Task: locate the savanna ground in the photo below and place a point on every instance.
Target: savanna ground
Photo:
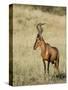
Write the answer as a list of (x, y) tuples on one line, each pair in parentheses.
[(27, 63)]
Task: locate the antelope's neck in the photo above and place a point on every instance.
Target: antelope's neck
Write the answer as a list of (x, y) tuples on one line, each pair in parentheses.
[(43, 46)]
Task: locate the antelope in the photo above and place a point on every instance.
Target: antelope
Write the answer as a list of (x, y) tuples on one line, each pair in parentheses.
[(48, 52)]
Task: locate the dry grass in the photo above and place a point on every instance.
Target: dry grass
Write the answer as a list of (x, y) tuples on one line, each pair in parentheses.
[(27, 63)]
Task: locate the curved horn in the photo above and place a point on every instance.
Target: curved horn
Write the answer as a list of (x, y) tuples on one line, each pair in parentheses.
[(39, 28)]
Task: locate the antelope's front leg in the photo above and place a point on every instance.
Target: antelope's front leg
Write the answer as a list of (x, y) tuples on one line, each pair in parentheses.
[(48, 68), (44, 66)]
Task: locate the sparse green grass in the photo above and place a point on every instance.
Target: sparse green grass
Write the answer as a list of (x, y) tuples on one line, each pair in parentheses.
[(27, 63)]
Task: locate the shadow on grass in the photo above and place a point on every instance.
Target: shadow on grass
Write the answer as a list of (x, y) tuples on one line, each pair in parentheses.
[(61, 76)]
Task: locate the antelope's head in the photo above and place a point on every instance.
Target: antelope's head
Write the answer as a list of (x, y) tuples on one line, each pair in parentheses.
[(39, 36)]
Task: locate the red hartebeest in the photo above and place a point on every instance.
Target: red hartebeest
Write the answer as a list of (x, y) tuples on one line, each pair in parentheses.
[(48, 53)]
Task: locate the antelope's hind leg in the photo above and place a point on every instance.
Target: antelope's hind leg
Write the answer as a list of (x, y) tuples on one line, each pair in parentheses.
[(56, 69)]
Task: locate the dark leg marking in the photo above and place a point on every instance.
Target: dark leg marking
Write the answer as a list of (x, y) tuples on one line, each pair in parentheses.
[(44, 66), (48, 67)]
